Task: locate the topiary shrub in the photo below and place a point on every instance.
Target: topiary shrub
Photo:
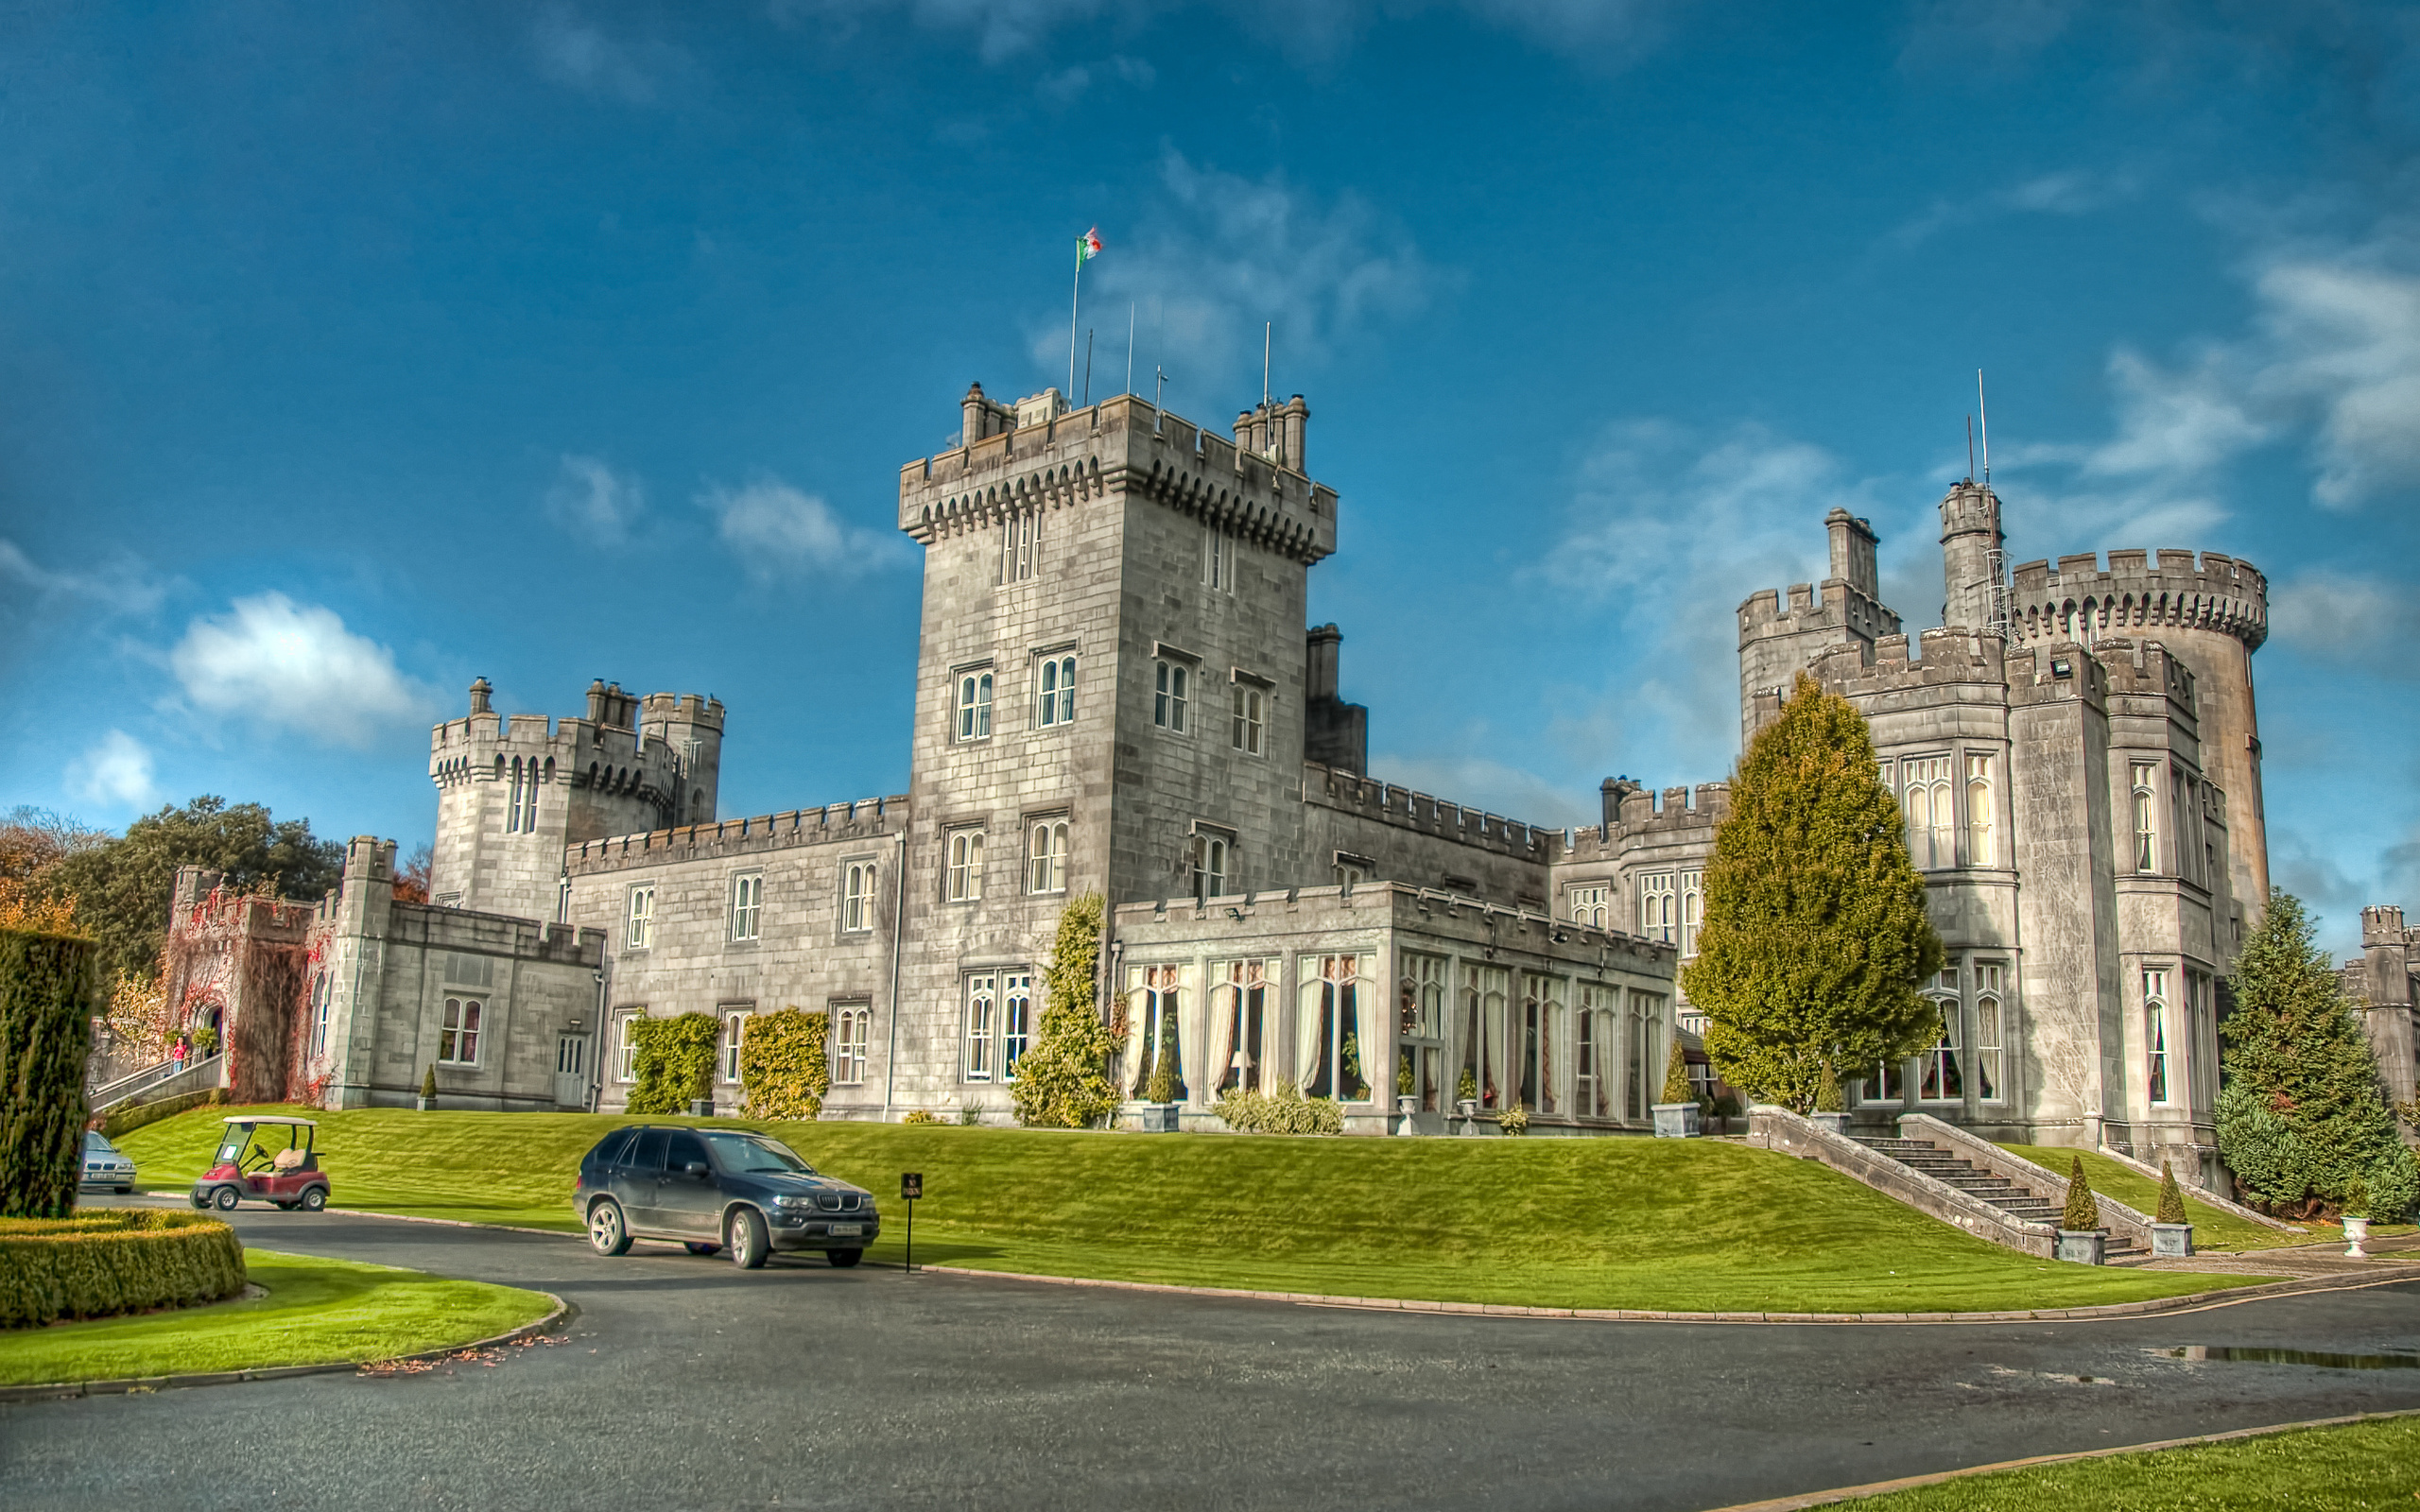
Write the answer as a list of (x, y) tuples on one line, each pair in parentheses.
[(50, 988), (674, 1059), (1283, 1111), (1062, 1077), (1827, 1094), (2171, 1196), (1514, 1119), (1676, 1077), (2356, 1199), (117, 1260), (784, 1070), (428, 1082), (1164, 1084), (2083, 1210), (1467, 1090)]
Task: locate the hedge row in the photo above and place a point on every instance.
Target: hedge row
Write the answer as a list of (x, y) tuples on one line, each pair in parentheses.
[(120, 1261), (123, 1120)]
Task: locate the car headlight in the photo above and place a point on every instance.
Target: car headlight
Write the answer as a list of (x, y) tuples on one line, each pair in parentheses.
[(788, 1201)]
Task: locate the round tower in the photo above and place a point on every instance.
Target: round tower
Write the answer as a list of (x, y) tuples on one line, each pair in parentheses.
[(1974, 595), (2212, 617)]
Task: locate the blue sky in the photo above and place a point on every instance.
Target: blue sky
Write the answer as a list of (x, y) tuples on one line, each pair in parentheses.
[(349, 352)]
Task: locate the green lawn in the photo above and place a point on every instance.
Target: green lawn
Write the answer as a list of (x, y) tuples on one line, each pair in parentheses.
[(317, 1311), (1633, 1223), (2213, 1228), (2358, 1465)]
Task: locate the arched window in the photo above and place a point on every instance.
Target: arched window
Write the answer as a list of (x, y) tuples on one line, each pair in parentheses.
[(1153, 995), (856, 897), (2146, 816), (1017, 1020), (1209, 867), (2157, 1083), (1692, 910), (1657, 908), (1980, 848), (1990, 986), (964, 881), (1242, 995), (1055, 700), (1170, 683), (458, 1036), (1047, 856), (1925, 789), (974, 706), (849, 1056), (1938, 1074), (982, 1006), (1333, 1041)]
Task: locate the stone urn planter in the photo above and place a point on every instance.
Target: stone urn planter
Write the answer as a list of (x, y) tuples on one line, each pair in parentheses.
[(425, 1103), (1837, 1122), (2085, 1247), (2356, 1230), (1160, 1118), (1677, 1121), (1467, 1110), (2171, 1240), (1406, 1107)]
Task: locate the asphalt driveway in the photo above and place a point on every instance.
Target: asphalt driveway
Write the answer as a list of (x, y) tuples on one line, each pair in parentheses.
[(686, 1383)]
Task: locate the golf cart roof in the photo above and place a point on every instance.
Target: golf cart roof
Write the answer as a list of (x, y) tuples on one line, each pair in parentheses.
[(243, 1118)]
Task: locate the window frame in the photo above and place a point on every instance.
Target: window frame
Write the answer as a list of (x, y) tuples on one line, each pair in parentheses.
[(1940, 1065), (1989, 1056), (624, 1049), (1250, 719), (2159, 1026), (462, 1024), (1658, 907), (971, 697), (638, 933), (1212, 864), (1171, 692), (2142, 787), (1589, 903), (962, 864), (1054, 683), (849, 1049), (1931, 777), (734, 1019), (1983, 811), (747, 923), (1020, 548), (858, 880), (1045, 855), (978, 1024)]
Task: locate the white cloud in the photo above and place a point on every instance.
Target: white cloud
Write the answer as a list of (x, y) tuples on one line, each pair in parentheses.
[(296, 667), (2174, 424), (124, 586), (583, 56), (1478, 783), (2350, 618), (115, 771), (778, 531), (2343, 337), (592, 500), (2068, 192), (1222, 253), (1670, 530)]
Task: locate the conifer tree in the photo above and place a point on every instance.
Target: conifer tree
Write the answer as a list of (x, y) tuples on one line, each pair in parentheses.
[(2302, 1116), (1061, 1079), (2171, 1196), (1815, 938), (2083, 1210)]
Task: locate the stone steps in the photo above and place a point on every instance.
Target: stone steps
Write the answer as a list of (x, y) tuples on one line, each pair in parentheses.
[(2008, 1196)]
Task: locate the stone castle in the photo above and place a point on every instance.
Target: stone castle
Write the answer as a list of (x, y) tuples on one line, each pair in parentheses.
[(1116, 691)]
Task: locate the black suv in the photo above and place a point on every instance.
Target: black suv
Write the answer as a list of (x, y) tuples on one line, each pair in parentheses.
[(717, 1189)]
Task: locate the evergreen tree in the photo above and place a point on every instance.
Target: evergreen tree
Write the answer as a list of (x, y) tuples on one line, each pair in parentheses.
[(2171, 1196), (1061, 1079), (1815, 938), (2302, 1116), (2082, 1211)]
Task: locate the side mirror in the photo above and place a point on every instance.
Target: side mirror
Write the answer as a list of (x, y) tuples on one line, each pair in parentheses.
[(694, 1168)]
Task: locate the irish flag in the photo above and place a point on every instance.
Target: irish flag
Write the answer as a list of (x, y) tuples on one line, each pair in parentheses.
[(1088, 246)]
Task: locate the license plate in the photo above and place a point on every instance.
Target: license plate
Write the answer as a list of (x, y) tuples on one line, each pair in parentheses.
[(842, 1230)]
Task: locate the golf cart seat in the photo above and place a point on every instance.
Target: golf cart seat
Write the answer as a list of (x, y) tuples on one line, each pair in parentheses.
[(288, 1162)]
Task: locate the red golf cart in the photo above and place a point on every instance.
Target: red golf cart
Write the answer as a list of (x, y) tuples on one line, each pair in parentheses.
[(267, 1159)]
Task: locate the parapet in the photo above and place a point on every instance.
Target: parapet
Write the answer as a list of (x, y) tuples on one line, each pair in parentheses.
[(1945, 655), (2081, 601), (1833, 606), (2382, 924), (865, 818), (2141, 666), (682, 708), (1351, 793), (1123, 444)]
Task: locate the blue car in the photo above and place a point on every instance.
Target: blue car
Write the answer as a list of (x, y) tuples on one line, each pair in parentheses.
[(717, 1189)]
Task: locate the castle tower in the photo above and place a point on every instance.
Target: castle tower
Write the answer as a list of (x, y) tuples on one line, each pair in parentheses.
[(1782, 635), (513, 791), (1973, 564), (2212, 618)]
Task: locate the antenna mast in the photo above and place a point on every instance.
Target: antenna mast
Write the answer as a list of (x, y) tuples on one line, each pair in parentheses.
[(1266, 331), (1996, 618), (1983, 410)]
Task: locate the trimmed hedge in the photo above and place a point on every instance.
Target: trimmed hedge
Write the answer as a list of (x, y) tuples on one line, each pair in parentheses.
[(782, 1069), (120, 1261), (50, 989), (127, 1119), (1283, 1111)]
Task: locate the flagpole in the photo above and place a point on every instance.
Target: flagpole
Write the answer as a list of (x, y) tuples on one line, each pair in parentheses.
[(1129, 346), (1074, 300)]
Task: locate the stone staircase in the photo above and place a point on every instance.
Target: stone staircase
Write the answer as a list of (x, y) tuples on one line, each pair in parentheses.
[(2016, 1201)]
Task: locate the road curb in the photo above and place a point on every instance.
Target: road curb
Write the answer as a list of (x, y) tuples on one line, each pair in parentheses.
[(2190, 1302), (1909, 1483), (564, 1313)]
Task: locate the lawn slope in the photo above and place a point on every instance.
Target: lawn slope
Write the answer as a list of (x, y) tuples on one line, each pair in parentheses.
[(1692, 1224), (315, 1312)]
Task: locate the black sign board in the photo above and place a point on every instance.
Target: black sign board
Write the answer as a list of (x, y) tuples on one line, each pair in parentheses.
[(911, 1185)]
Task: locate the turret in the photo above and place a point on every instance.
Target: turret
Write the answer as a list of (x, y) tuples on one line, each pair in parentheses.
[(691, 727), (1973, 581)]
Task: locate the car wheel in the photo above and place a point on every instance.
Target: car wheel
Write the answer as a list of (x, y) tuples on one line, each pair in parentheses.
[(608, 1235), (225, 1198), (697, 1248), (745, 1234), (199, 1200), (122, 1190), (843, 1259), (315, 1199)]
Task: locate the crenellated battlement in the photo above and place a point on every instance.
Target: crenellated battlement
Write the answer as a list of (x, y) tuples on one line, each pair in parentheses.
[(1123, 444), (866, 819), (1944, 654), (2382, 924), (2144, 667), (1350, 793), (2081, 600), (1834, 605)]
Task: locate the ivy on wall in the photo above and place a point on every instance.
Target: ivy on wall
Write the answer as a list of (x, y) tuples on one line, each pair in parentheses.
[(674, 1059), (782, 1068), (1061, 1081)]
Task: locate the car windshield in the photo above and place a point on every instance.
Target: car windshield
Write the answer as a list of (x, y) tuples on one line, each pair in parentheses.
[(749, 1152), (95, 1145)]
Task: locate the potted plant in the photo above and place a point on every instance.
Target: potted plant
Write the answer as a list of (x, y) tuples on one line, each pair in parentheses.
[(2357, 1219), (1407, 1094), (206, 1042), (1162, 1089), (2171, 1236), (2081, 1237), (1514, 1119), (1831, 1109), (1466, 1096), (427, 1088), (1677, 1117)]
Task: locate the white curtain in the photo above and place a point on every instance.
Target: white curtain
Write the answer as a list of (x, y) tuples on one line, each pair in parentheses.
[(1307, 1049), (1220, 1001), (1137, 1012), (1191, 1063), (1494, 1067)]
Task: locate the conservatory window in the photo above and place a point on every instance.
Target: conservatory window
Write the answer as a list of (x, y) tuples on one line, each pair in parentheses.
[(1154, 994), (1333, 1040), (1421, 1028), (1241, 996)]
